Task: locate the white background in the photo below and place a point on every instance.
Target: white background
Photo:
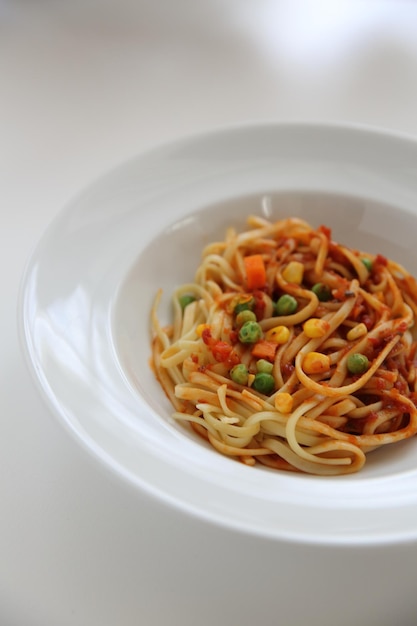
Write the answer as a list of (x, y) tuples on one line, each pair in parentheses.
[(85, 85)]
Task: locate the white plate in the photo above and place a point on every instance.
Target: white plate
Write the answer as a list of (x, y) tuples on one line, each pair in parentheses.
[(88, 288)]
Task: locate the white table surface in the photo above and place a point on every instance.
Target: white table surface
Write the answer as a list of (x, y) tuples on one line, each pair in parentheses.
[(85, 85)]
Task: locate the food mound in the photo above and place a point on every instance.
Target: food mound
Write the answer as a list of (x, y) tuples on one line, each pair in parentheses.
[(292, 350)]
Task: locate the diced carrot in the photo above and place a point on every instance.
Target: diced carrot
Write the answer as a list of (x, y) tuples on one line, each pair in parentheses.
[(255, 271), (264, 349)]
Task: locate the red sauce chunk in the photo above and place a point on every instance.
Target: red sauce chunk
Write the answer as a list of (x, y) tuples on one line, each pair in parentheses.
[(221, 350)]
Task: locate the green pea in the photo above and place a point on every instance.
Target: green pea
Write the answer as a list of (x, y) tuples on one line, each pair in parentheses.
[(263, 382), (250, 332), (264, 366), (286, 305), (186, 300), (367, 263), (239, 374), (245, 316), (322, 291), (357, 363)]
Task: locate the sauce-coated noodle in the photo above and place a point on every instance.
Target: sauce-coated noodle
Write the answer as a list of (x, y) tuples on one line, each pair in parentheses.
[(292, 350)]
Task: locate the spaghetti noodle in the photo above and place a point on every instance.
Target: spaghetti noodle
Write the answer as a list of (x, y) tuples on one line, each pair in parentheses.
[(292, 350)]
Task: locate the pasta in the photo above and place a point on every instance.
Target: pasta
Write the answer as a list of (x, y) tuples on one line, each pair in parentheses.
[(292, 350)]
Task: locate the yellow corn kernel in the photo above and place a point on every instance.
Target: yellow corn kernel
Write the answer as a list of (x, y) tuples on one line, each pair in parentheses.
[(284, 402), (316, 363), (356, 332), (315, 327), (251, 378), (201, 328), (294, 272), (278, 334), (315, 244)]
